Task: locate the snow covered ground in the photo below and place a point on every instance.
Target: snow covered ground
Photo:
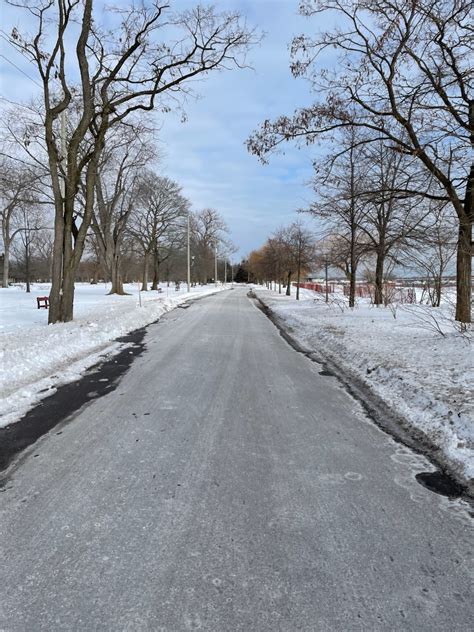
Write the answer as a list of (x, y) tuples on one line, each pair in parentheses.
[(36, 358), (424, 376)]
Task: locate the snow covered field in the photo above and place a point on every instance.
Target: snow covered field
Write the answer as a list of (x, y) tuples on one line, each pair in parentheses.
[(424, 376), (36, 358)]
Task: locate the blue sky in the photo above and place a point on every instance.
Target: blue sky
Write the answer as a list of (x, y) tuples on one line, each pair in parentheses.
[(207, 154)]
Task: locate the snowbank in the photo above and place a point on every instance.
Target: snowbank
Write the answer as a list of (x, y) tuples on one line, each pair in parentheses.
[(421, 375), (36, 358)]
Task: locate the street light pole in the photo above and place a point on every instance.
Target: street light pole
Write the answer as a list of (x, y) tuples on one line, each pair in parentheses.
[(215, 264), (189, 255), (225, 271)]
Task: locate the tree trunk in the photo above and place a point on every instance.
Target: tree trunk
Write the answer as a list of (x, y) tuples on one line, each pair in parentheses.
[(437, 289), (62, 287), (59, 244), (6, 263), (288, 284), (279, 285), (67, 252), (145, 274), (298, 277), (156, 272), (66, 296), (353, 268), (463, 272), (116, 277), (379, 266), (27, 265), (352, 287)]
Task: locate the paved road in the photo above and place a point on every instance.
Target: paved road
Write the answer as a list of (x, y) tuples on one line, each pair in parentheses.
[(226, 486)]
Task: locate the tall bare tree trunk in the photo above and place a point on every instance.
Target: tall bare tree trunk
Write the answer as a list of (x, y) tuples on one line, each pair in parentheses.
[(145, 273), (69, 242), (288, 284), (352, 287), (463, 272), (465, 244), (379, 266), (27, 264), (116, 276), (67, 296), (156, 271), (352, 272), (55, 311), (353, 227), (6, 262), (298, 278)]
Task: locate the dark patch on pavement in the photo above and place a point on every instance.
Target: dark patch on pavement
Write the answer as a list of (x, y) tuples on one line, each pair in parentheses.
[(441, 483), (326, 373), (97, 381)]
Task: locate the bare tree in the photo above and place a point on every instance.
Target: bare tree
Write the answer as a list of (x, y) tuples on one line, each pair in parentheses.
[(275, 253), (338, 184), (43, 245), (30, 223), (257, 266), (208, 230), (289, 251), (157, 221), (281, 240), (132, 66), (300, 245), (127, 153), (17, 193), (433, 253), (390, 217), (405, 73)]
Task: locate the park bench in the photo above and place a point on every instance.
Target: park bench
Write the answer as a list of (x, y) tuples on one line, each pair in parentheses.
[(42, 301)]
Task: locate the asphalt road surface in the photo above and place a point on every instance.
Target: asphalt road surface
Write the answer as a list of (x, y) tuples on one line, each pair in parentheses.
[(225, 485)]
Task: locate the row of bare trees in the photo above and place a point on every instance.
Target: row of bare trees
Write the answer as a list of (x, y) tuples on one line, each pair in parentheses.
[(97, 85), (287, 255), (364, 215), (402, 88), (140, 219)]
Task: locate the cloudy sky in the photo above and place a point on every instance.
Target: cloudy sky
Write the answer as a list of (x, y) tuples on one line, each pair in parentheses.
[(207, 154)]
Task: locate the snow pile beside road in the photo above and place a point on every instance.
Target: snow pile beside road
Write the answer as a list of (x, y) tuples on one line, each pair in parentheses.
[(36, 358), (425, 377)]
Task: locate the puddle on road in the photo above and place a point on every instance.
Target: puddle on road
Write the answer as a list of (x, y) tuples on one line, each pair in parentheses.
[(440, 483)]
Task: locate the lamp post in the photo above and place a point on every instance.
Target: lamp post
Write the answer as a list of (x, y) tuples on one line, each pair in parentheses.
[(189, 254), (215, 264)]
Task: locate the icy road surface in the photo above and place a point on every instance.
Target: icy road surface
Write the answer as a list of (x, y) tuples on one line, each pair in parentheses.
[(225, 485)]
